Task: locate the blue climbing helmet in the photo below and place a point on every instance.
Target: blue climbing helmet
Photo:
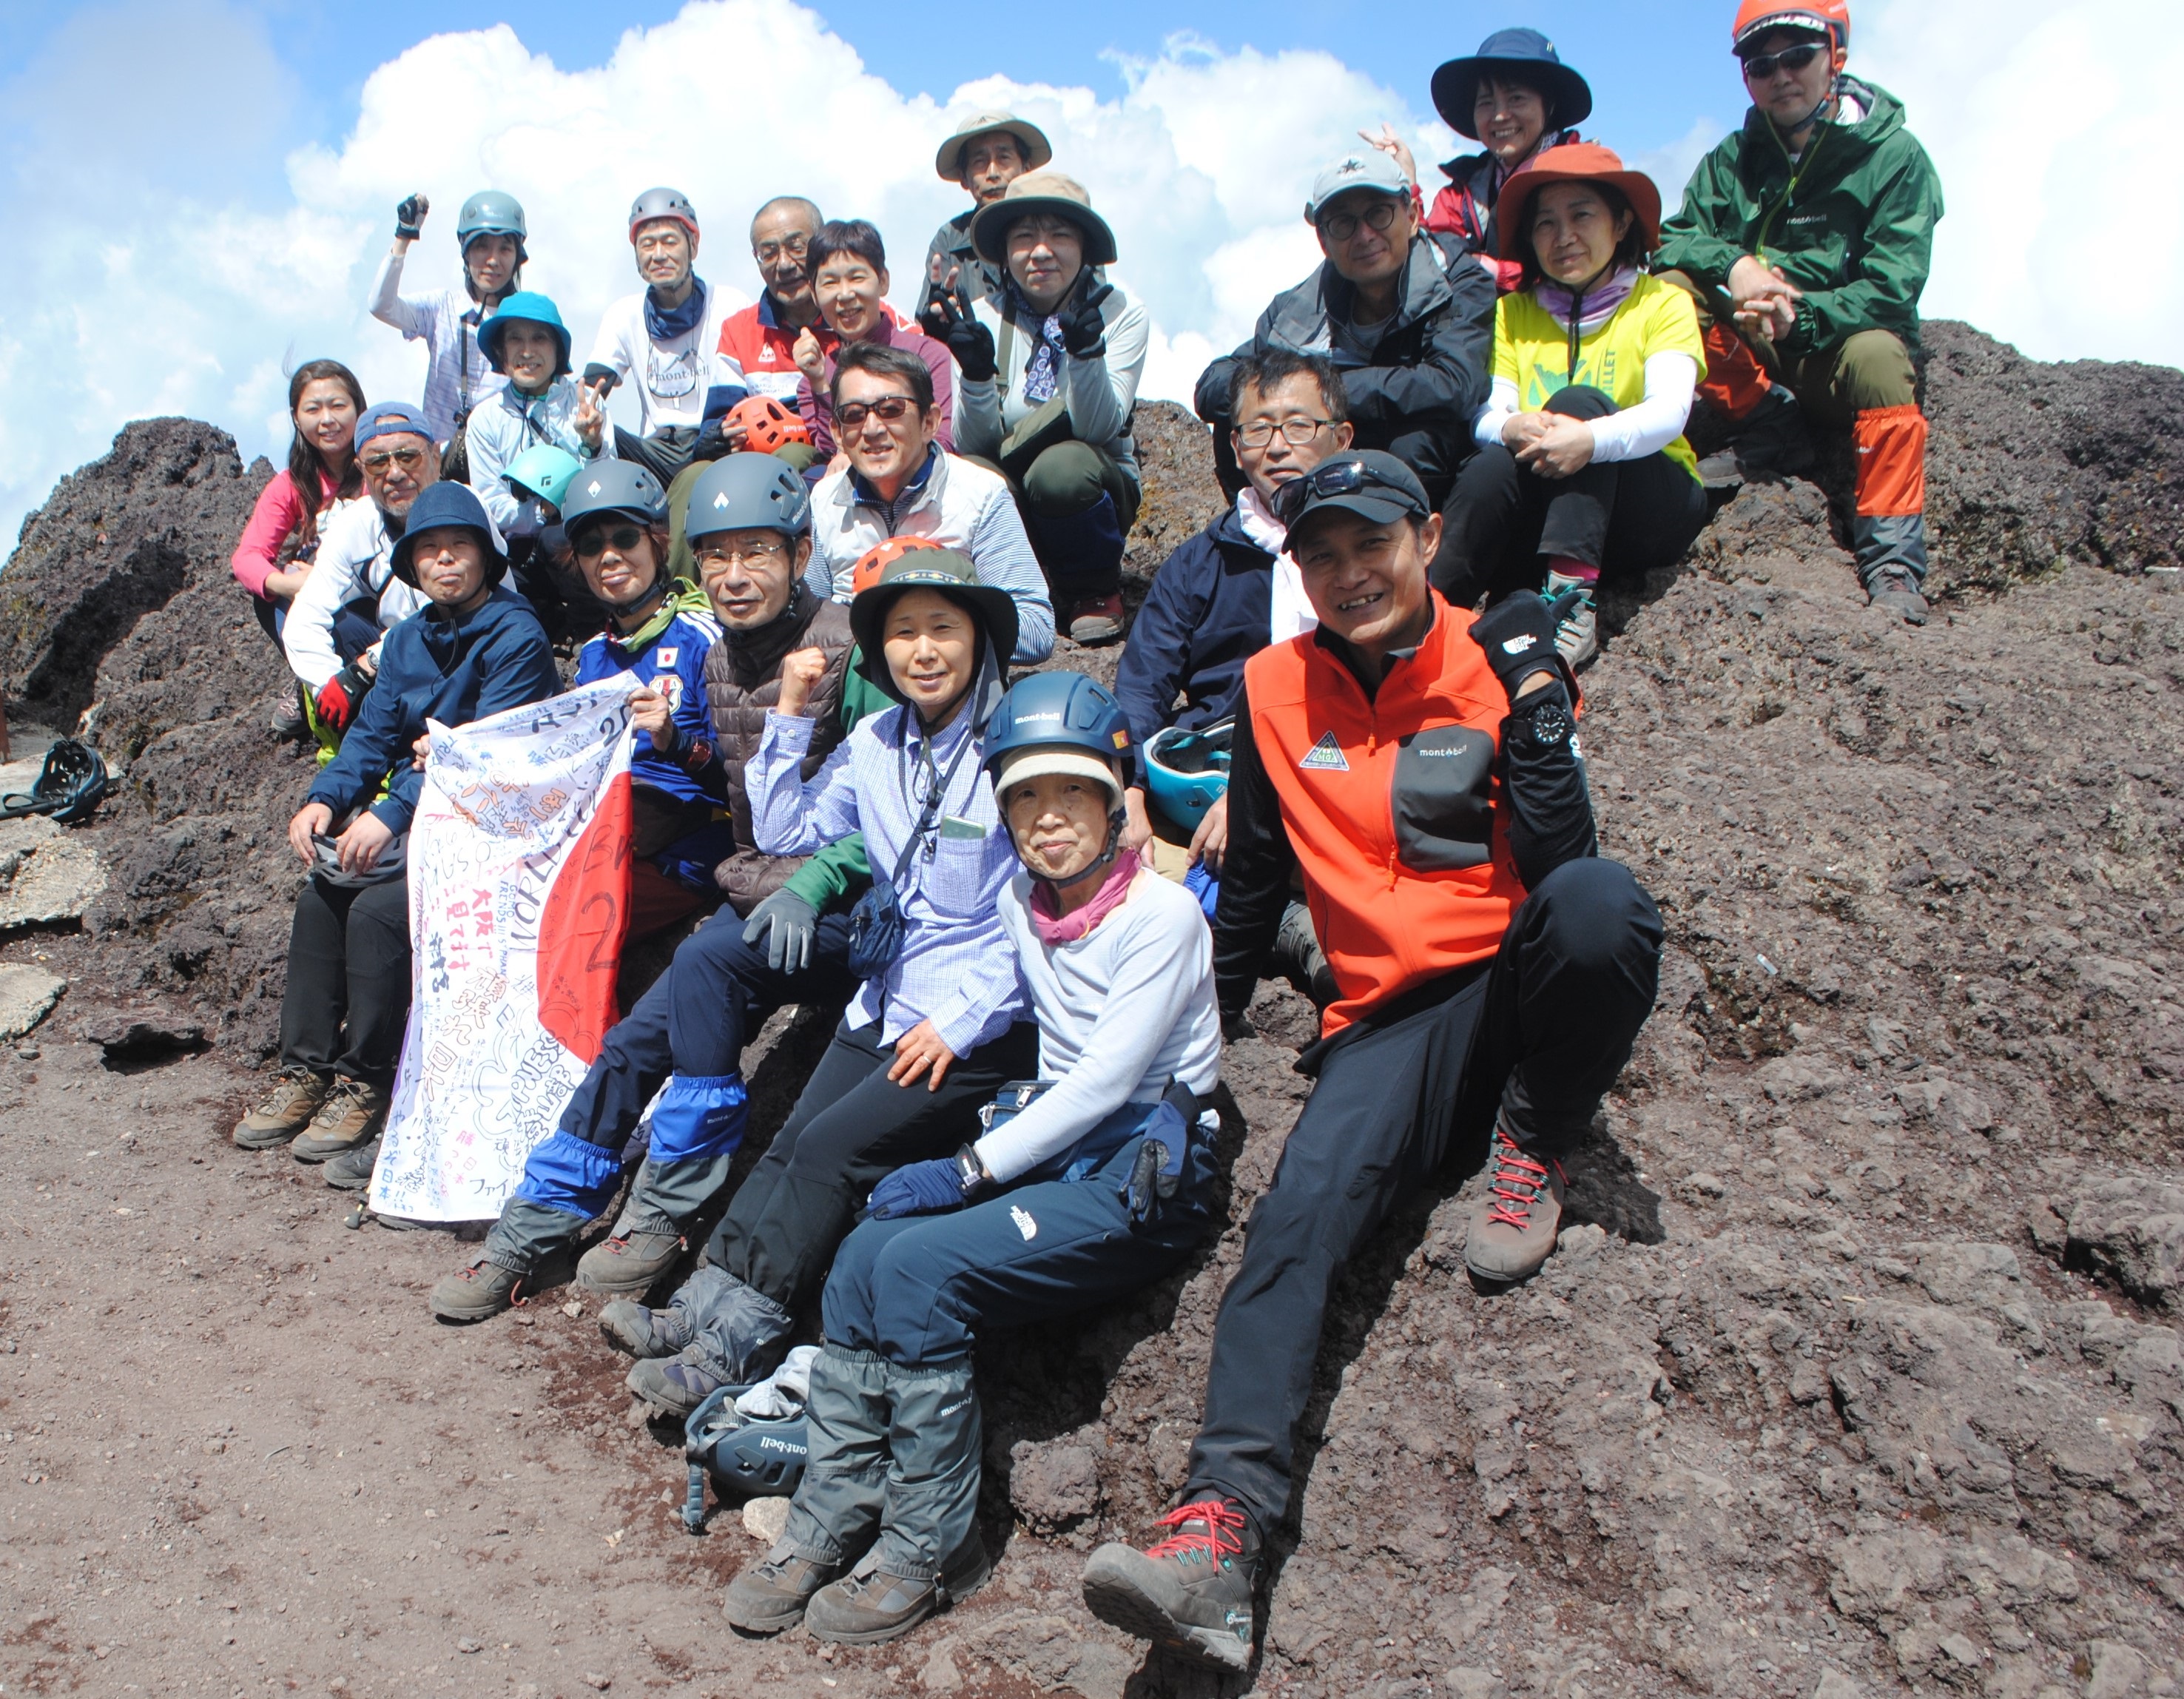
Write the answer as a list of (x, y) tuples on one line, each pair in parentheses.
[(491, 212), (1187, 772), (543, 470), (1061, 722), (538, 309)]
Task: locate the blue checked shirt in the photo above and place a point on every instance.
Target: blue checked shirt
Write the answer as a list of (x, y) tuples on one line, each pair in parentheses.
[(957, 968)]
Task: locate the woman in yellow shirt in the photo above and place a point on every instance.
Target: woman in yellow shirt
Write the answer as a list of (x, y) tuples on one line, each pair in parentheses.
[(1582, 467)]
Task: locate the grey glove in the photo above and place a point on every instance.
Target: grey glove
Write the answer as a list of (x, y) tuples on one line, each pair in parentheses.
[(787, 923)]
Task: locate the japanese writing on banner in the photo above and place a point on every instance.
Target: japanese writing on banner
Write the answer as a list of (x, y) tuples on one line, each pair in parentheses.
[(518, 893)]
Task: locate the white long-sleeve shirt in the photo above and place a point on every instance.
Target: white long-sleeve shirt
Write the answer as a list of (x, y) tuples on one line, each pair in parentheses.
[(447, 320), (671, 378), (1122, 1012), (1671, 381), (514, 421)]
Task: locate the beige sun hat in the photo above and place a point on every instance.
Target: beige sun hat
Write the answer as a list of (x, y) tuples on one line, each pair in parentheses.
[(1037, 149), (1041, 191)]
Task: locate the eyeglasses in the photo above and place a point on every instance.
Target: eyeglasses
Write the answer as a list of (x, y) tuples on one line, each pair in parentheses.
[(1335, 478), (408, 458), (763, 553), (852, 414), (1296, 432), (1761, 66), (595, 541), (1342, 225), (794, 247)]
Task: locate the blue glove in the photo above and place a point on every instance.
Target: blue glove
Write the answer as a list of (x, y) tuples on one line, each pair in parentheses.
[(929, 1188)]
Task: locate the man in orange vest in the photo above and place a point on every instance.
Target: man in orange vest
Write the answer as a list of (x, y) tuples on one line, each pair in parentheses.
[(1421, 769)]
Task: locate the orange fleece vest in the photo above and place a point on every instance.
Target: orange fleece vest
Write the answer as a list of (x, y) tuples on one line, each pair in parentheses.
[(1390, 804)]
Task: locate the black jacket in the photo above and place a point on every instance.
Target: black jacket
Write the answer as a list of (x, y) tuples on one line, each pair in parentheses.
[(1206, 614)]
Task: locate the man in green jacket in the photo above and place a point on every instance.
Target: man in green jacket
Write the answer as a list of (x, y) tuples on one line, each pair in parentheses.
[(1807, 237)]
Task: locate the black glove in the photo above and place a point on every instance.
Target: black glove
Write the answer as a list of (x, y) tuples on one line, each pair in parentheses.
[(602, 378), (787, 923), (967, 339), (409, 218), (1084, 331), (1517, 633)]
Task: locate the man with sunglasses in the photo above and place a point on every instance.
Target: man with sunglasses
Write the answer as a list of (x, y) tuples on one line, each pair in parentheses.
[(1406, 316), (1419, 768), (1807, 237), (898, 482)]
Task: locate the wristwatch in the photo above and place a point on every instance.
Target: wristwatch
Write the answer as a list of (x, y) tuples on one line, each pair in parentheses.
[(970, 1172), (1550, 724)]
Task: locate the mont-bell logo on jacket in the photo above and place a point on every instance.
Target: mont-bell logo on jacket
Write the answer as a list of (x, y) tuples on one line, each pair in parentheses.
[(1324, 756)]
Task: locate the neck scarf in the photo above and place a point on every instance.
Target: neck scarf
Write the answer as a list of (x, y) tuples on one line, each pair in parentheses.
[(666, 324), (682, 598), (1054, 926), (1596, 307), (1043, 370), (1288, 610)]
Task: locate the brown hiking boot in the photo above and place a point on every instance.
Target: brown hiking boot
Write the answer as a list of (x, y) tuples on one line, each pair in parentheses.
[(1513, 1228), (866, 1608), (349, 1119), (473, 1293), (1092, 619), (770, 1595), (296, 1095), (628, 1266), (1189, 1592)]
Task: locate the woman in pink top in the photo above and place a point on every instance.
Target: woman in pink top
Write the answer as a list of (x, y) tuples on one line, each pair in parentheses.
[(849, 281), (277, 545)]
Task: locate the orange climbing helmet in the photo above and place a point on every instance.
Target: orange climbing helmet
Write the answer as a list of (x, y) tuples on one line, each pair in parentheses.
[(877, 560), (767, 424), (1754, 18)]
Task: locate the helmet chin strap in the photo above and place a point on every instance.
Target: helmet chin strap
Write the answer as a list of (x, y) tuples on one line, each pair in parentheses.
[(1117, 817)]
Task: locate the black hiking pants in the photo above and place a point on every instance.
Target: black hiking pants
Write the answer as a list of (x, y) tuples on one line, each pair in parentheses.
[(347, 999), (1537, 1036)]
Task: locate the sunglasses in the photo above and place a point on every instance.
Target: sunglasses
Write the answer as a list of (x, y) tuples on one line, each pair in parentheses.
[(852, 414), (408, 458), (1337, 478), (1341, 226), (1761, 66), (595, 542)]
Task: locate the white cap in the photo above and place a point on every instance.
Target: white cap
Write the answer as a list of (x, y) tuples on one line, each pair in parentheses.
[(1367, 169), (1055, 758)]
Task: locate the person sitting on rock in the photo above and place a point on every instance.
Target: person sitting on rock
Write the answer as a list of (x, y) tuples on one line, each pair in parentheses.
[(490, 233), (1419, 768), (756, 355), (749, 523), (660, 631), (475, 648), (849, 281), (933, 1031), (899, 483), (1517, 96), (1582, 466), (352, 595), (525, 341), (1405, 316), (987, 153), (664, 336), (274, 553), (1050, 362), (1096, 1186), (1805, 238)]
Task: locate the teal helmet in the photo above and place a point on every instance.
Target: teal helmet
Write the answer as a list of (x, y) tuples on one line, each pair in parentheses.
[(538, 309), (544, 470), (491, 212), (1187, 772)]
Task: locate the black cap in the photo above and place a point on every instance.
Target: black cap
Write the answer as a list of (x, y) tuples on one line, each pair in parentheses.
[(1369, 482)]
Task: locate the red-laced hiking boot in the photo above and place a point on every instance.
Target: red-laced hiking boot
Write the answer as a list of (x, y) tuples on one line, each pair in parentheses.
[(1094, 620), (1189, 1593), (1514, 1227)]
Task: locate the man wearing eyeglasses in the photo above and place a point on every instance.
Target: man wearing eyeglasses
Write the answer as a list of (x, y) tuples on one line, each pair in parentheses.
[(1807, 237), (757, 350), (1406, 317), (898, 482), (352, 596), (1420, 769)]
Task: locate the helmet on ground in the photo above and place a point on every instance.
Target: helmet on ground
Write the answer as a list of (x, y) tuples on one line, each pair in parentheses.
[(747, 492), (942, 570), (536, 308), (747, 1456), (612, 487), (874, 560), (1829, 17), (491, 212), (1574, 162), (544, 470), (1187, 772), (766, 424), (1058, 722), (438, 507), (657, 203)]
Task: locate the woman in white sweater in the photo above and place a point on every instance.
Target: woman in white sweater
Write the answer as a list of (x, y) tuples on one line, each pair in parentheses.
[(1086, 1184)]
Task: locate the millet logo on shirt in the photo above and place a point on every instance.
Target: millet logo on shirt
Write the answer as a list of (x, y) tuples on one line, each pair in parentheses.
[(1324, 756)]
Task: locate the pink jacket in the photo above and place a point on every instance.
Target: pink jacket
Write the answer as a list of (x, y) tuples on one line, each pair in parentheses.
[(273, 522)]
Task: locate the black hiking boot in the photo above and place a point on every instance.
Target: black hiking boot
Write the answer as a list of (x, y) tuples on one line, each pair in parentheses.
[(1190, 1592), (352, 1173)]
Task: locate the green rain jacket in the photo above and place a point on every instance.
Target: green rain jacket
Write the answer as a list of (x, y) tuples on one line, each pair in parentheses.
[(1851, 223)]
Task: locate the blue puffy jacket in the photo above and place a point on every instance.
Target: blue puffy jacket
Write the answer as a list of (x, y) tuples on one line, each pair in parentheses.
[(431, 667), (1206, 613)]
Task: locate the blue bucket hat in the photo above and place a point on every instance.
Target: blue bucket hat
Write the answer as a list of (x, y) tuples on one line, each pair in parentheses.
[(436, 506), (1524, 56), (539, 309)]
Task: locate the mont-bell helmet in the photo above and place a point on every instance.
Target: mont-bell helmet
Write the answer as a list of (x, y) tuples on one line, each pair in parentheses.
[(747, 492), (1058, 722), (491, 211)]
